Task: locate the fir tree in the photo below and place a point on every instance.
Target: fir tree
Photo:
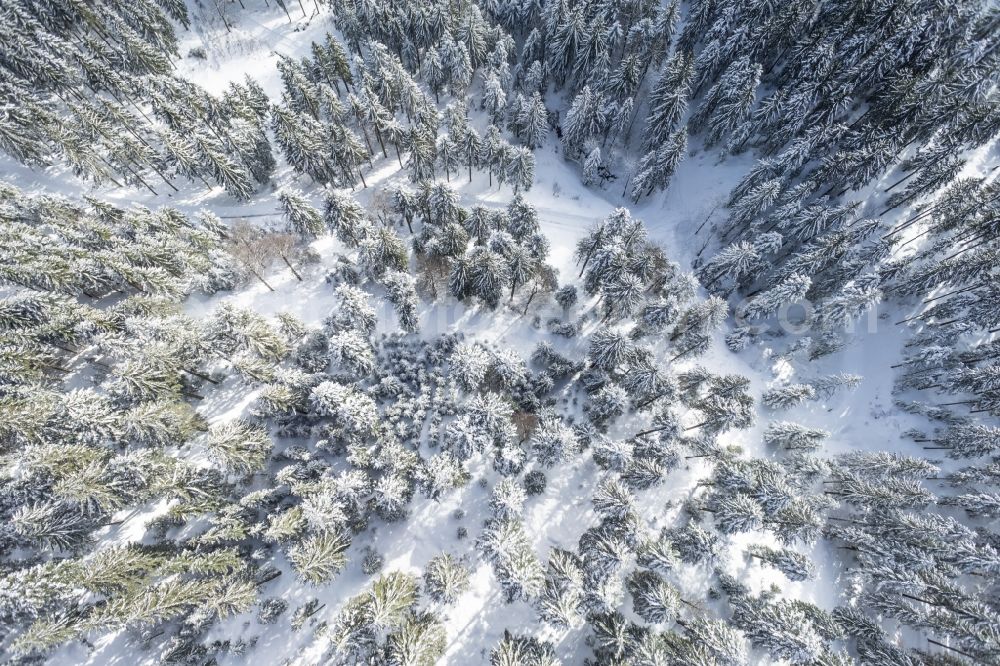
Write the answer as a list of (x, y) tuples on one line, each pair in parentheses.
[(524, 650), (653, 599), (792, 436), (667, 102), (239, 446), (303, 219), (725, 109), (534, 121), (445, 578), (657, 167), (520, 169), (561, 600), (767, 303), (788, 396), (795, 566)]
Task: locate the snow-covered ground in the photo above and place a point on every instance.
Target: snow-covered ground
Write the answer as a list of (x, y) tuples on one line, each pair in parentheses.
[(864, 418)]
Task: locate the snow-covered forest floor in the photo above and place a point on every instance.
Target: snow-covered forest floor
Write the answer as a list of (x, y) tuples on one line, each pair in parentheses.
[(682, 219)]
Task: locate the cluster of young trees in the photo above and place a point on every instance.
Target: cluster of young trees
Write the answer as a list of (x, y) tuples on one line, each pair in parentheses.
[(863, 121), (103, 303), (337, 115), (95, 90), (450, 50), (387, 77), (839, 119), (600, 54), (479, 252), (385, 624), (101, 377)]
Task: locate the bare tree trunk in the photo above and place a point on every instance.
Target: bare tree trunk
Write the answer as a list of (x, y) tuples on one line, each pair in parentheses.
[(652, 430), (222, 16), (291, 268), (141, 179), (263, 281), (530, 298), (378, 137), (650, 400), (200, 376)]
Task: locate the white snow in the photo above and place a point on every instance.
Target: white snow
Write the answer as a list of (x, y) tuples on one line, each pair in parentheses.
[(864, 418)]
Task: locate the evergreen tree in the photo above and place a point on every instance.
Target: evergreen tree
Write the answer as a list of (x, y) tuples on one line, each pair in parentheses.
[(504, 543), (795, 566), (319, 558), (513, 649), (657, 167), (401, 292), (788, 396), (489, 275), (346, 218), (968, 440), (239, 446), (445, 578), (667, 102), (494, 99), (520, 169), (533, 120), (725, 110), (778, 627), (53, 524), (792, 436), (582, 121), (303, 219), (235, 177), (653, 599), (608, 350), (561, 600), (592, 166), (767, 303)]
